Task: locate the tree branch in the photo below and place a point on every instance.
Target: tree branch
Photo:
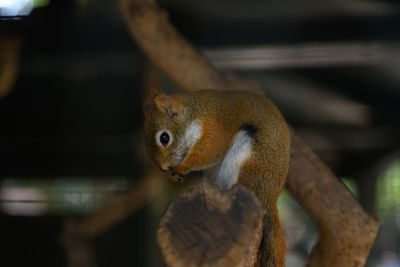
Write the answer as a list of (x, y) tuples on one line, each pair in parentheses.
[(205, 226), (150, 27), (115, 211), (346, 232)]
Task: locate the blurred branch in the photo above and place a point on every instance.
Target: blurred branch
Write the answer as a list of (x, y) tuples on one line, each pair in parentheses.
[(10, 47), (117, 210), (303, 55), (346, 231), (78, 247), (306, 100)]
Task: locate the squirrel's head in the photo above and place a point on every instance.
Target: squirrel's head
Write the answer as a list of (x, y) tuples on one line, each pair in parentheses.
[(164, 130)]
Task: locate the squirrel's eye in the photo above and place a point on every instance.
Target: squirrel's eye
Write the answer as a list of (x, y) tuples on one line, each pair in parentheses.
[(164, 138)]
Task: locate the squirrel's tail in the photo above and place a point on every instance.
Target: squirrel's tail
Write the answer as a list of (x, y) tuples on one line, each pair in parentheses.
[(273, 247)]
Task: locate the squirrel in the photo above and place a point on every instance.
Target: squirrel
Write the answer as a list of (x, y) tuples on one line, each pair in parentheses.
[(232, 136)]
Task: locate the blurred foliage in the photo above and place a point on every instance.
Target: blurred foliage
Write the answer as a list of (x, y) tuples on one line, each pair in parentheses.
[(351, 185), (388, 192), (44, 3), (40, 3)]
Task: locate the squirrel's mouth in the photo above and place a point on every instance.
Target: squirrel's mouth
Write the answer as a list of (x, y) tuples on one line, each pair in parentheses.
[(178, 157)]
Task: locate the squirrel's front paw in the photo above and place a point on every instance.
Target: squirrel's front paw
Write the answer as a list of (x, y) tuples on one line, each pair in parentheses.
[(174, 176)]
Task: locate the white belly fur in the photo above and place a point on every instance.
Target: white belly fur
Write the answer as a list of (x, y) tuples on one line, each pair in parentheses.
[(227, 172)]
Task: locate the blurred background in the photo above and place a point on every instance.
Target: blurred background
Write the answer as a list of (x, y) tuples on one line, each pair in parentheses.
[(76, 187)]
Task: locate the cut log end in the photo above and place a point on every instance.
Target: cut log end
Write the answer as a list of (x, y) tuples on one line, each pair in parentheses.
[(206, 226)]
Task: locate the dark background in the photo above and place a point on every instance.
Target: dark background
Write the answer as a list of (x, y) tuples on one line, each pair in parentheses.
[(74, 111)]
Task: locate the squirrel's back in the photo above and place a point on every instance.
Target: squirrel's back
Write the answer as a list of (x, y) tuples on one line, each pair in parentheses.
[(232, 108)]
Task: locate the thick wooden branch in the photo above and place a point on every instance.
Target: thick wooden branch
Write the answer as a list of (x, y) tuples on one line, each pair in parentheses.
[(207, 227), (150, 27), (346, 231)]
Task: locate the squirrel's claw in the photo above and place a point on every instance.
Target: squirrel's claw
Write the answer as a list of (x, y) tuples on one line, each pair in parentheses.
[(177, 177)]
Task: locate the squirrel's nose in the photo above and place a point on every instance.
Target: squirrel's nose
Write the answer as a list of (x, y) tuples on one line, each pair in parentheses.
[(165, 167)]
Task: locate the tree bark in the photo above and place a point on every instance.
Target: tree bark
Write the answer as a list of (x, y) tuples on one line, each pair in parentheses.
[(151, 29), (205, 226), (346, 231)]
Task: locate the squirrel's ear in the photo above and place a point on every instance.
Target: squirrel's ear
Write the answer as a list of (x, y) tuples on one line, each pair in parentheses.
[(148, 103), (147, 107), (164, 104)]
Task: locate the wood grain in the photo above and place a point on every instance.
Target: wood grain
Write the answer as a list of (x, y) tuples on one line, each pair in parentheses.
[(205, 226)]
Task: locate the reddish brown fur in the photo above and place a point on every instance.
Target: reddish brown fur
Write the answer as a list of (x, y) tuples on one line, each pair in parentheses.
[(208, 145), (222, 114)]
